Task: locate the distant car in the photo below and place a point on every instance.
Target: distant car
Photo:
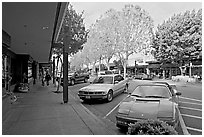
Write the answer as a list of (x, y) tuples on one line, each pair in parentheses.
[(74, 77), (104, 87), (115, 71), (143, 76), (149, 101), (22, 87), (105, 72)]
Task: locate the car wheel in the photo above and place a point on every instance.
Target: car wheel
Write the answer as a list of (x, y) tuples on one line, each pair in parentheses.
[(126, 89), (72, 82), (110, 96), (85, 80)]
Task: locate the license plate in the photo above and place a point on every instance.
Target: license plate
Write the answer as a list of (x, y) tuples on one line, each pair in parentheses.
[(88, 97)]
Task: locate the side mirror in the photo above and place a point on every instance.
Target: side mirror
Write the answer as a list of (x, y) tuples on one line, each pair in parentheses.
[(116, 82), (178, 93)]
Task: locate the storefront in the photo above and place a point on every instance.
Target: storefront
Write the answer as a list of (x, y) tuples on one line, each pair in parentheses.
[(8, 57)]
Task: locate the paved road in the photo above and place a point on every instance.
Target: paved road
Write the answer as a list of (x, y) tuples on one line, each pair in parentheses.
[(190, 107)]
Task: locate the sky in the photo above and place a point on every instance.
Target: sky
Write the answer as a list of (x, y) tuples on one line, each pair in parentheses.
[(159, 11)]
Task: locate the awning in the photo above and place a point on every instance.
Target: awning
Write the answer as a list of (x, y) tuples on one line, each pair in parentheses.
[(154, 66), (169, 66)]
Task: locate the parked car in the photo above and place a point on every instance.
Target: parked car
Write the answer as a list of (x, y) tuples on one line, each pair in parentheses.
[(143, 76), (149, 101), (75, 77), (105, 72), (104, 87)]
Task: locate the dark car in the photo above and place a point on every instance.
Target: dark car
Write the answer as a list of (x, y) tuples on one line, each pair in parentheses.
[(143, 76), (75, 77), (149, 101)]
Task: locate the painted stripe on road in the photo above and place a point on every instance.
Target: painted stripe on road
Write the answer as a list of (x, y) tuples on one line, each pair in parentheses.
[(191, 103), (191, 99), (194, 129), (182, 123), (191, 116), (114, 108), (191, 108)]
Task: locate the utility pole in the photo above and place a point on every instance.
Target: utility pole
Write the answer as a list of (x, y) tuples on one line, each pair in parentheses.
[(66, 41), (53, 70)]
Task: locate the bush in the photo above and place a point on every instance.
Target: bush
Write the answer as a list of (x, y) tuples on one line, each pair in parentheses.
[(151, 127)]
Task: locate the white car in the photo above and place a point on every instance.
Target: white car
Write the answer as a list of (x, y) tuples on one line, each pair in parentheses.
[(104, 87)]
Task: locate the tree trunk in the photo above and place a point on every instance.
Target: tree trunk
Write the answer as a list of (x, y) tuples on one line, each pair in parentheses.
[(99, 67), (163, 73), (124, 67), (125, 64), (108, 66)]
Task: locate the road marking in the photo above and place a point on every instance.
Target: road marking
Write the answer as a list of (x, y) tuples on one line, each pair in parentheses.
[(114, 108), (191, 99), (191, 108), (194, 129), (182, 123), (191, 116), (191, 103)]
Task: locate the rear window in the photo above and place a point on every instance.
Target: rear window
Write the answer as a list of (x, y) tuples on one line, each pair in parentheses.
[(145, 91)]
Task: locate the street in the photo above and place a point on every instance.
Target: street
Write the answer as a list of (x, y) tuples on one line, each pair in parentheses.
[(190, 105)]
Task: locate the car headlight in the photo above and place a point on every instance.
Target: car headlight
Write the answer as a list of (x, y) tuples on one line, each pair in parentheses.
[(104, 92)]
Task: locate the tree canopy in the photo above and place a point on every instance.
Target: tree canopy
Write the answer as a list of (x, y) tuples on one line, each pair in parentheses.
[(179, 38), (120, 34), (77, 32)]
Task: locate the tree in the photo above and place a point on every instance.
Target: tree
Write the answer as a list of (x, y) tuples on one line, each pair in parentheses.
[(91, 49), (133, 32), (179, 38), (77, 32), (105, 29)]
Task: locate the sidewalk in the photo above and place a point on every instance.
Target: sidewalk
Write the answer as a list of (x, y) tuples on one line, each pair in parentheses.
[(41, 112)]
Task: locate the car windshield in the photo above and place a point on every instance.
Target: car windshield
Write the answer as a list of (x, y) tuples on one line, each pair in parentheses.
[(105, 80), (151, 91)]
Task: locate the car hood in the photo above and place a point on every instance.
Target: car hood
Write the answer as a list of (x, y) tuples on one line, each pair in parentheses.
[(97, 87), (150, 108)]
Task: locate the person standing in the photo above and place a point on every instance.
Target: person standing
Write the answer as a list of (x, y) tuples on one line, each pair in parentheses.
[(25, 78), (41, 76), (47, 78)]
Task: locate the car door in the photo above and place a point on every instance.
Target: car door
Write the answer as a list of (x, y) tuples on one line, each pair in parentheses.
[(175, 98), (115, 85), (118, 83)]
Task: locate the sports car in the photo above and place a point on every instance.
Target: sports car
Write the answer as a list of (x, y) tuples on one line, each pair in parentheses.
[(149, 101), (104, 87)]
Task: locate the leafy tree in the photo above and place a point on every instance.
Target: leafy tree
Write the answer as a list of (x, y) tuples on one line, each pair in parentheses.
[(133, 32), (179, 38), (106, 42), (91, 49), (77, 30), (118, 64)]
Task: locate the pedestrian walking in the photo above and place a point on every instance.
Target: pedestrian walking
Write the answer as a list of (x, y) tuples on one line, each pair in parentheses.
[(41, 77), (25, 78), (47, 78), (13, 98)]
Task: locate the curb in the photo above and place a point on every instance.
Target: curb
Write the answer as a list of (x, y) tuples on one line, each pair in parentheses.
[(183, 126), (95, 129)]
